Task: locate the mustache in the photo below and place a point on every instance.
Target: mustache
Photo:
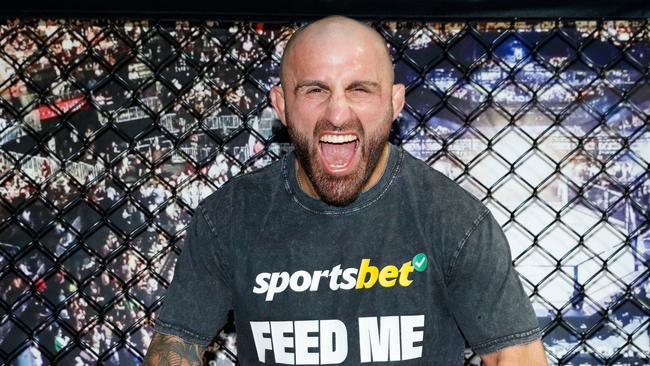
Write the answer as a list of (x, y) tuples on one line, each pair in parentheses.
[(353, 125)]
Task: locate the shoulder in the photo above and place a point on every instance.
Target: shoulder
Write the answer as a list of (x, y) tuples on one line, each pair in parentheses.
[(246, 187), (436, 191)]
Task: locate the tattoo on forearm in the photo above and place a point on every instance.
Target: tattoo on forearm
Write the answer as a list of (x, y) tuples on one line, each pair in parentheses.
[(166, 350)]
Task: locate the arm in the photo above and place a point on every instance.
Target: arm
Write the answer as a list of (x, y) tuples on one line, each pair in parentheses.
[(191, 309), (167, 350), (488, 300), (531, 354)]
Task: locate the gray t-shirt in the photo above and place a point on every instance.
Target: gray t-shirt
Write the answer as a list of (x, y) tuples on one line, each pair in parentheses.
[(407, 273)]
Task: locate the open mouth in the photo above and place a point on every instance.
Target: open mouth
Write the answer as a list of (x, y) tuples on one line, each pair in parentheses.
[(338, 152)]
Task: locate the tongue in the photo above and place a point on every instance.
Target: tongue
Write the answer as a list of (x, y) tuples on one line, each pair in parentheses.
[(338, 154)]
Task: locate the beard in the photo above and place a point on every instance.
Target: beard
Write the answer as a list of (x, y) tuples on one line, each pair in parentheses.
[(340, 190)]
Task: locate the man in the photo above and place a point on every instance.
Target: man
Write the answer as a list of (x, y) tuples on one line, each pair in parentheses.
[(348, 250)]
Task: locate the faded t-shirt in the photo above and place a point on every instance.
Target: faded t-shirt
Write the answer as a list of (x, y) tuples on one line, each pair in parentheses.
[(407, 273)]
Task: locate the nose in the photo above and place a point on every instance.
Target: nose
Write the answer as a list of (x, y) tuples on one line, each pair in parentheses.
[(339, 111)]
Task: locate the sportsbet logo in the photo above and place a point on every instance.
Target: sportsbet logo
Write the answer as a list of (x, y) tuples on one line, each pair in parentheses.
[(366, 276)]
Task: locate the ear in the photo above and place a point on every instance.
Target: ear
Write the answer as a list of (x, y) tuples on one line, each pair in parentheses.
[(277, 100), (397, 99)]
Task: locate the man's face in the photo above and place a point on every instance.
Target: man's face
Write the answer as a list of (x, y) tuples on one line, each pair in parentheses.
[(338, 103)]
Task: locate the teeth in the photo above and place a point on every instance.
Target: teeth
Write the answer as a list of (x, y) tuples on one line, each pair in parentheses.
[(337, 139)]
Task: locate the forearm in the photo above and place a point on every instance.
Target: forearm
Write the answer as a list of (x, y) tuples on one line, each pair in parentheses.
[(166, 350), (531, 354)]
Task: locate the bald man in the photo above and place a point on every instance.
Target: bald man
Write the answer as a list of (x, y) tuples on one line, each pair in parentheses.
[(348, 250)]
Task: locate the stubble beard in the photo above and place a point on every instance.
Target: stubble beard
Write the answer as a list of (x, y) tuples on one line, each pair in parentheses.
[(340, 190)]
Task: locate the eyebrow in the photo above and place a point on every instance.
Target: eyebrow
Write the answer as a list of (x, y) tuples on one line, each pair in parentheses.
[(373, 85), (306, 83)]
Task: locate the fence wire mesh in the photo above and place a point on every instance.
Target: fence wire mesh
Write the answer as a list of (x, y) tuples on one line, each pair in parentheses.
[(111, 132)]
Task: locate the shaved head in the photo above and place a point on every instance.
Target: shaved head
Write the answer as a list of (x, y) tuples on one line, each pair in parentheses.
[(338, 99), (336, 27)]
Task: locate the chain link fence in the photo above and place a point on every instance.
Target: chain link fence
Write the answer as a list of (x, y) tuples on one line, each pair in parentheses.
[(111, 132)]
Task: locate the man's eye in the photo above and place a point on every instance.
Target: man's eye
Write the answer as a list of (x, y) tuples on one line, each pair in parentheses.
[(314, 91), (360, 90)]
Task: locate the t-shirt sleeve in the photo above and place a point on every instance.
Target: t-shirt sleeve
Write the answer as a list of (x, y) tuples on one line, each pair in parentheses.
[(197, 302), (487, 298)]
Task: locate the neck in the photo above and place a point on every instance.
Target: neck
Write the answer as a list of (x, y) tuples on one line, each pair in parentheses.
[(307, 186)]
